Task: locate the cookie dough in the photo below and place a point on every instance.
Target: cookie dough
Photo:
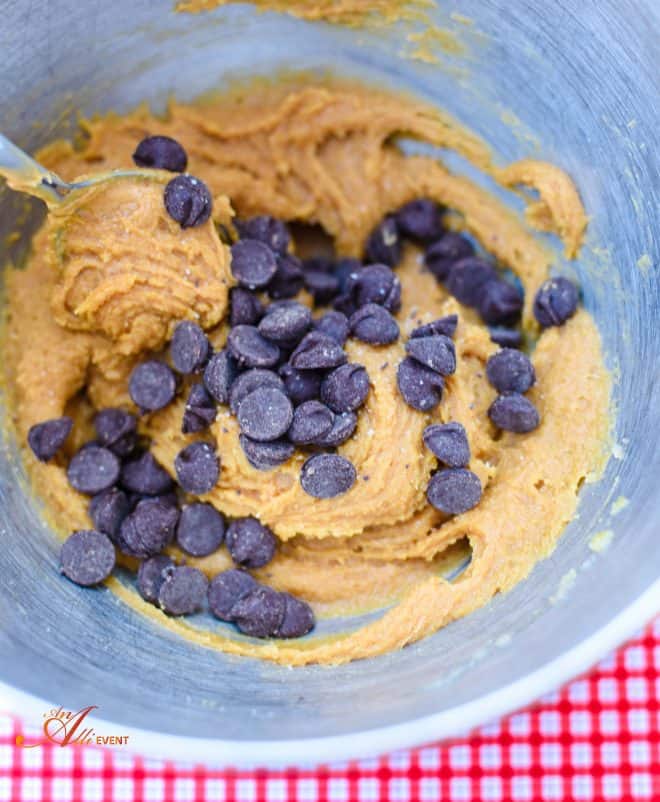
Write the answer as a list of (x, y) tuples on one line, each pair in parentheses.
[(107, 281)]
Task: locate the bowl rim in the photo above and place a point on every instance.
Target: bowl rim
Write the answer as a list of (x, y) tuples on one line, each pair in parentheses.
[(451, 723)]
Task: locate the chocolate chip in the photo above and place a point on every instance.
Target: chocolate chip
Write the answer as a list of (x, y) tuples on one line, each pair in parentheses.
[(244, 307), (200, 410), (250, 349), (510, 371), (376, 284), (285, 322), (260, 613), (440, 256), (420, 220), (161, 153), (327, 475), (319, 264), (248, 382), (152, 385), (317, 351), (93, 469), (436, 352), (47, 438), (266, 229), (334, 324), (188, 201), (322, 286), (190, 348), (443, 325), (343, 270), (253, 264), (265, 414), (288, 279), (108, 510), (342, 429), (514, 413), (507, 338), (226, 589), (467, 277), (384, 243), (148, 529), (298, 618), (219, 375), (312, 420), (449, 443), (499, 302), (250, 543), (201, 529), (116, 430), (346, 388), (556, 301), (344, 303), (264, 456), (301, 385), (87, 557), (373, 324), (454, 490), (197, 468), (151, 575), (420, 386), (145, 476), (183, 590)]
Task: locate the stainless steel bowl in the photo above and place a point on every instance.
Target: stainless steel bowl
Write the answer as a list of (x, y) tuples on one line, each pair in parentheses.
[(581, 77)]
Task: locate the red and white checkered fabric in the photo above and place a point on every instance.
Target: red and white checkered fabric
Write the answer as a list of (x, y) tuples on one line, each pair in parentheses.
[(597, 739)]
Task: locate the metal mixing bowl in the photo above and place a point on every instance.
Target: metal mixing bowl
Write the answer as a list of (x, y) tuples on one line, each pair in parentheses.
[(582, 78)]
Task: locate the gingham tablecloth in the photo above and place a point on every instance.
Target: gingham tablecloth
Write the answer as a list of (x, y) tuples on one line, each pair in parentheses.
[(596, 739)]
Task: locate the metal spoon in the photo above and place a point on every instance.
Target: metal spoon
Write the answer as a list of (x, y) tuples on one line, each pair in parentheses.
[(24, 174)]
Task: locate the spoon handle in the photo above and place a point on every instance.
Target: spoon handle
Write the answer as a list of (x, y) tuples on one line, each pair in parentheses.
[(24, 174)]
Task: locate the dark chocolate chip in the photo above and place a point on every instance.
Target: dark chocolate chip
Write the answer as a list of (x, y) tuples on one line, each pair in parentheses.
[(250, 349), (376, 284), (298, 618), (344, 303), (514, 413), (200, 410), (93, 469), (285, 322), (265, 414), (440, 256), (319, 264), (253, 264), (443, 325), (108, 510), (190, 348), (264, 456), (334, 324), (151, 575), (269, 230), (323, 287), (197, 468), (343, 270), (260, 613), (301, 385), (226, 589), (467, 277), (556, 301), (116, 430), (148, 529), (219, 375), (47, 438), (449, 443), (373, 324), (250, 543), (507, 338), (343, 427), (161, 153), (145, 476), (201, 529), (510, 371), (420, 220), (499, 302), (188, 200), (183, 590), (327, 475), (87, 557), (312, 420), (288, 279), (346, 388), (436, 352), (384, 243), (244, 307), (454, 490), (317, 351), (420, 386), (152, 385), (248, 382)]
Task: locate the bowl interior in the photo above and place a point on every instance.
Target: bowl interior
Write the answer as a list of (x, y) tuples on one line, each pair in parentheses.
[(577, 87)]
